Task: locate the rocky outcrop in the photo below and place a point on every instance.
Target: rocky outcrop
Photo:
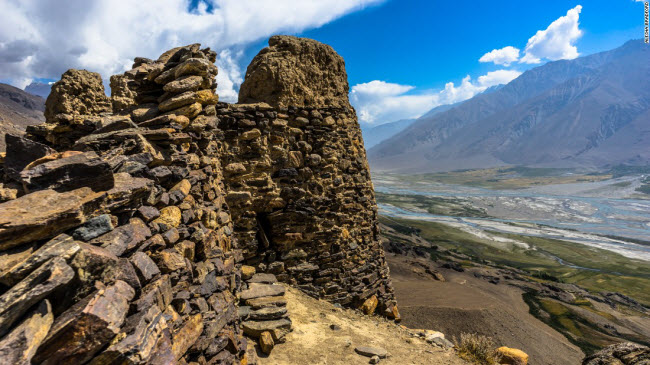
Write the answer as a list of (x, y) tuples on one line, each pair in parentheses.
[(625, 353), (79, 92), (154, 227), (296, 72)]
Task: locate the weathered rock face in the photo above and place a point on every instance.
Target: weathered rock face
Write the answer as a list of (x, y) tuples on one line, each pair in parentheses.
[(125, 239), (619, 354), (296, 72), (79, 92)]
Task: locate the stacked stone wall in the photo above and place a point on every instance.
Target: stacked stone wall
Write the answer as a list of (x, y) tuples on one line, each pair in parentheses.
[(302, 200), (118, 248), (125, 221)]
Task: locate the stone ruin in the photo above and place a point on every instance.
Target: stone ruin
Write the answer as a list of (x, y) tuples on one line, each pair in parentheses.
[(151, 227)]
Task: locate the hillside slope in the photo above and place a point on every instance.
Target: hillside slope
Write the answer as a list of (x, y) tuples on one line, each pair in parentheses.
[(18, 109), (325, 334), (564, 113)]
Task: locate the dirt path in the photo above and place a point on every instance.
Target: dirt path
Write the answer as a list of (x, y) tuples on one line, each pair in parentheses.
[(313, 341), (464, 303)]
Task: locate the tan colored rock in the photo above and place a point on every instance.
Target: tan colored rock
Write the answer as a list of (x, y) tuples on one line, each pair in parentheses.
[(235, 168), (145, 330), (61, 246), (368, 307), (512, 356), (122, 96), (19, 346), (178, 101), (184, 83), (35, 287), (44, 214), (170, 217), (184, 186), (252, 134), (89, 325), (189, 111), (265, 302), (79, 92), (187, 335), (195, 66), (207, 97), (169, 260), (296, 72), (52, 157), (266, 342), (247, 272), (295, 159), (256, 290), (278, 328)]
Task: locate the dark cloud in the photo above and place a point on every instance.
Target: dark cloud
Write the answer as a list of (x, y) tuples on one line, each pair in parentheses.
[(17, 51)]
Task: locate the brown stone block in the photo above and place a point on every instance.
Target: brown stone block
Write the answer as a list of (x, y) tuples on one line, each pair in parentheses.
[(19, 345), (35, 287), (86, 327), (44, 214)]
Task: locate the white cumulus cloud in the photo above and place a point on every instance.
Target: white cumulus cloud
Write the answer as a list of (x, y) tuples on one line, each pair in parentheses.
[(557, 41), (504, 56), (378, 102), (43, 38), (498, 77)]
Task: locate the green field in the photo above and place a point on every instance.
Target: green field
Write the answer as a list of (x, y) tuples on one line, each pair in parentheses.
[(508, 177), (616, 273)]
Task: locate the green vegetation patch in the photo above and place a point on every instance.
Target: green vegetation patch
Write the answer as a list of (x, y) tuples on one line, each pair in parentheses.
[(609, 271)]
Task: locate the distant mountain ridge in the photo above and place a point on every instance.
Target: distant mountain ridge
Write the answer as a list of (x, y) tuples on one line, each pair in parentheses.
[(41, 89), (591, 111), (18, 109), (375, 135)]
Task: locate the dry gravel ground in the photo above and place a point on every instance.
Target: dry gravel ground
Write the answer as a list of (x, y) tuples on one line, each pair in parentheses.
[(314, 342), (464, 303)]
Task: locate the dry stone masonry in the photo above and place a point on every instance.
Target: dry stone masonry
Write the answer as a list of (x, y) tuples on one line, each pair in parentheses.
[(154, 226)]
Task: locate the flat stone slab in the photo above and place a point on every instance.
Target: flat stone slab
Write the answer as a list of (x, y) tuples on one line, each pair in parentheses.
[(371, 351), (35, 287), (268, 313), (61, 246), (44, 214), (65, 174), (264, 302), (263, 278), (278, 328), (256, 290)]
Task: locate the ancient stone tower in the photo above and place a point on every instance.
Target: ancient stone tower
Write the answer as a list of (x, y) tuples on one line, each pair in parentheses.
[(127, 220)]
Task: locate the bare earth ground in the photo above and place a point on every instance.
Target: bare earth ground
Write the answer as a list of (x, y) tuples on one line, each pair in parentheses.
[(464, 303), (314, 342)]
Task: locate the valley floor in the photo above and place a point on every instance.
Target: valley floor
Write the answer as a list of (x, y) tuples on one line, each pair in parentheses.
[(464, 303)]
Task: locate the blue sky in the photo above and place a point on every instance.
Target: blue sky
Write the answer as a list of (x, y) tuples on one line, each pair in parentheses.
[(403, 57)]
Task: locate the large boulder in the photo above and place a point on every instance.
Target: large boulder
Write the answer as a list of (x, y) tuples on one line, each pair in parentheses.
[(79, 92), (298, 72)]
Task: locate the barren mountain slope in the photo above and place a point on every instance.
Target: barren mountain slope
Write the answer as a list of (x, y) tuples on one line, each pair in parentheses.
[(18, 109)]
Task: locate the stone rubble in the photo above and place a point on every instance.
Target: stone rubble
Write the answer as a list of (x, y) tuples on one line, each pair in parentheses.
[(262, 309), (139, 228)]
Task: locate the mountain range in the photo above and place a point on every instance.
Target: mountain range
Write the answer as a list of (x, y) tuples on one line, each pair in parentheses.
[(593, 111), (18, 109)]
